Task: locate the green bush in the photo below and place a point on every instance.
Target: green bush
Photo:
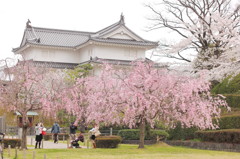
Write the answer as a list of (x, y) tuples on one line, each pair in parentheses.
[(108, 141), (12, 142), (154, 134), (107, 131), (229, 122), (226, 136), (228, 86), (180, 133), (233, 100), (134, 134), (129, 134)]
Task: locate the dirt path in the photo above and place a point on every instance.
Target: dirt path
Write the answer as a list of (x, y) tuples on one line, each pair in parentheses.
[(49, 144)]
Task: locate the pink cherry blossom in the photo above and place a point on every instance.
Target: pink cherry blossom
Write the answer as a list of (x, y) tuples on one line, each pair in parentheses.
[(144, 94)]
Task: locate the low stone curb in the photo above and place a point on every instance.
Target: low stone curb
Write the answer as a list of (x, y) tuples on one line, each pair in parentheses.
[(206, 145)]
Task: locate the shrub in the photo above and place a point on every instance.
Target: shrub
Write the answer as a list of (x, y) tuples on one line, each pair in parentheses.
[(133, 134), (180, 133), (107, 131), (229, 122), (228, 86), (155, 134), (12, 142), (226, 136), (108, 141), (233, 100), (129, 134)]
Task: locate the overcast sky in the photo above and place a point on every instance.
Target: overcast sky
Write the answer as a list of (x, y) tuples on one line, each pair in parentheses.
[(80, 15)]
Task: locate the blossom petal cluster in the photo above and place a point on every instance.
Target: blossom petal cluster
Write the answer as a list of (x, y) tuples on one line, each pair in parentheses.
[(144, 93)]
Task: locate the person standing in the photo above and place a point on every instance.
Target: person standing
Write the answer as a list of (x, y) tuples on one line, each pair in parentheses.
[(73, 129), (38, 133), (94, 133), (55, 130)]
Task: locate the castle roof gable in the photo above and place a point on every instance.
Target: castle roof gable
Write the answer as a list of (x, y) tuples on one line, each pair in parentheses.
[(116, 33)]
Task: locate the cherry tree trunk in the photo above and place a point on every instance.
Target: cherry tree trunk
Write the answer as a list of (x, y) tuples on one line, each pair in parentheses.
[(24, 131), (142, 134), (24, 138)]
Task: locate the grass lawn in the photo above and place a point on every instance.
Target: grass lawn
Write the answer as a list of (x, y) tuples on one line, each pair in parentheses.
[(160, 151)]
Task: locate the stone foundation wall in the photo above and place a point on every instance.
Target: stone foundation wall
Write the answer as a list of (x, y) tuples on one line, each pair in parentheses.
[(207, 145)]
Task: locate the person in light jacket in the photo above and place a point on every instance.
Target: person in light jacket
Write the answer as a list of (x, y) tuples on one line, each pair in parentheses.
[(55, 130), (94, 133), (38, 133)]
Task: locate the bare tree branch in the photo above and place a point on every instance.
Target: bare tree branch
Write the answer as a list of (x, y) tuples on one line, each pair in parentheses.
[(213, 26)]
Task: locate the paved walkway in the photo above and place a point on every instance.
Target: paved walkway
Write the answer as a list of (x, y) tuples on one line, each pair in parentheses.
[(49, 144)]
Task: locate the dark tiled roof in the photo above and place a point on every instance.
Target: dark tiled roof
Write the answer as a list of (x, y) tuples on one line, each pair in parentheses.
[(58, 65), (75, 39), (111, 61), (54, 37), (119, 62), (110, 28), (96, 60), (107, 29), (124, 41)]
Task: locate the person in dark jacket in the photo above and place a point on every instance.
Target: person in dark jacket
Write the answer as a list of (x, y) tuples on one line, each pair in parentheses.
[(73, 129), (55, 130)]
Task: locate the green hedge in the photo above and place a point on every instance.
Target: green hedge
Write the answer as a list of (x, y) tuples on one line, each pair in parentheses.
[(108, 141), (107, 131), (226, 136), (12, 142), (133, 134), (233, 100), (228, 86), (180, 133), (229, 122), (226, 122)]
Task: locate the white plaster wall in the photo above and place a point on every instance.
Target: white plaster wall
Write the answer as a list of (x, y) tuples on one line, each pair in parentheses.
[(120, 53), (110, 52), (83, 54), (121, 36), (123, 30), (51, 55)]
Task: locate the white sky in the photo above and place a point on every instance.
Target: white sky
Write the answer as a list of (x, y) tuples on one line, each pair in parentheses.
[(81, 15)]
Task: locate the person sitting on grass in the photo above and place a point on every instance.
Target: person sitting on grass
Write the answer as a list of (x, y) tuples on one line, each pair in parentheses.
[(74, 143)]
